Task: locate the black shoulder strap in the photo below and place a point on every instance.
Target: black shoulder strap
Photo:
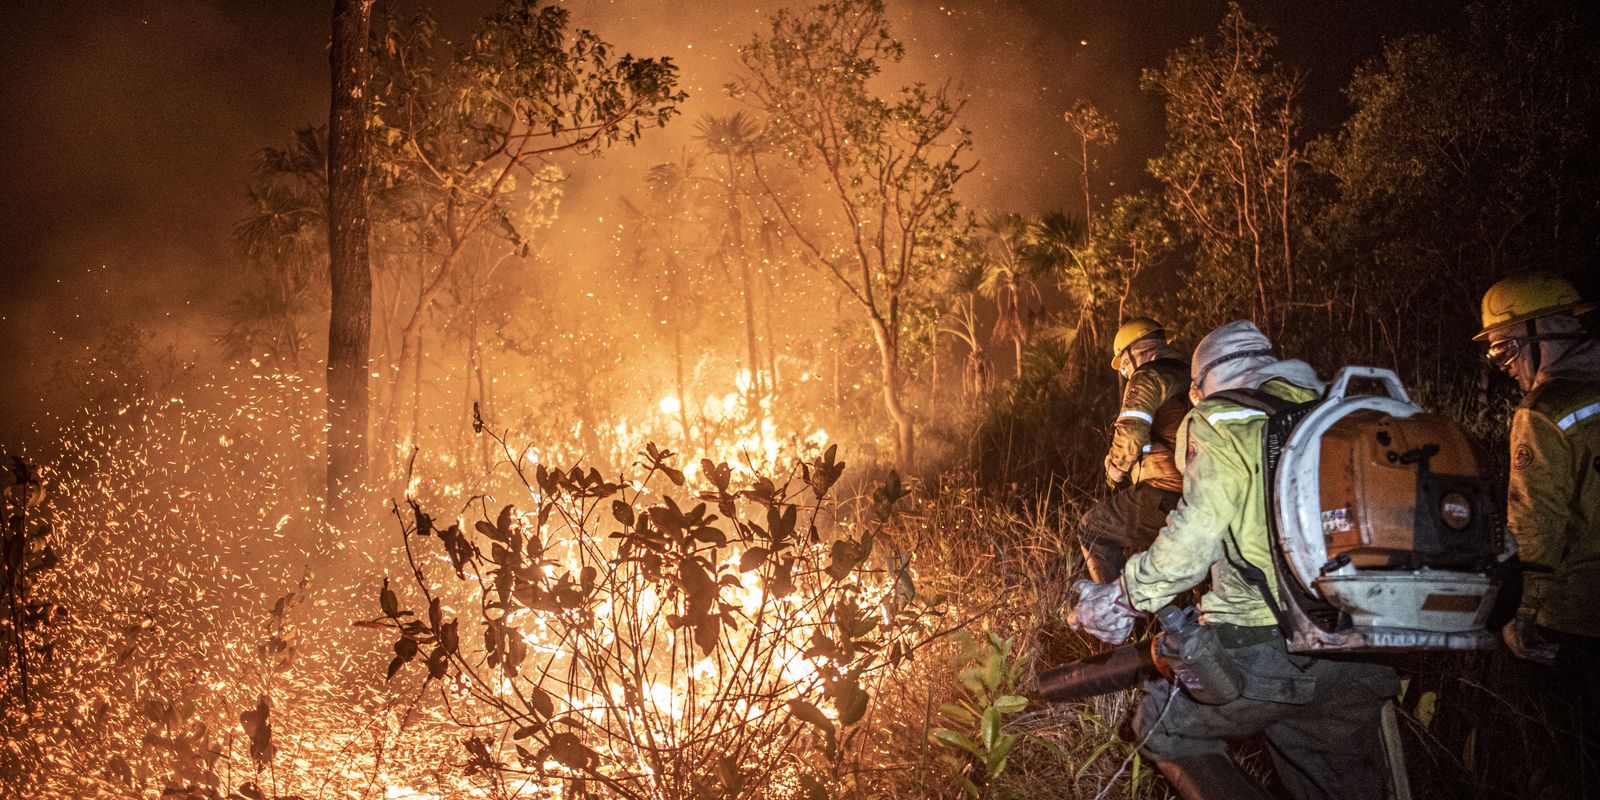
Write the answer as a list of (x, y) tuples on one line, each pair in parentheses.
[(1256, 399), (1282, 415), (1258, 580)]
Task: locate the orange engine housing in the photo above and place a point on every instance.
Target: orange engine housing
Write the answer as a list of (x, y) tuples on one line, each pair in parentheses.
[(1404, 493)]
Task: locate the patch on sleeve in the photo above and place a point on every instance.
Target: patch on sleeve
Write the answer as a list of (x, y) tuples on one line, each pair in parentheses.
[(1521, 457)]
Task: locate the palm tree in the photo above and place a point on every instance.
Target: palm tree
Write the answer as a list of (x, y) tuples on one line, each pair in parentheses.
[(1093, 130), (667, 235), (1056, 242), (1011, 270), (961, 322), (734, 139), (285, 241)]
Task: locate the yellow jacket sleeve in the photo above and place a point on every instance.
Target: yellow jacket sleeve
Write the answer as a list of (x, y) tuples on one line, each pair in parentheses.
[(1538, 493), (1216, 479), (1131, 432)]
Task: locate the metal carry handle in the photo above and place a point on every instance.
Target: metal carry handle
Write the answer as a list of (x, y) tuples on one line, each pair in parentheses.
[(1391, 382)]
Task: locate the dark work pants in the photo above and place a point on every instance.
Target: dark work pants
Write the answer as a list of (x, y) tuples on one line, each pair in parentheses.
[(1321, 719), (1570, 693), (1122, 524)]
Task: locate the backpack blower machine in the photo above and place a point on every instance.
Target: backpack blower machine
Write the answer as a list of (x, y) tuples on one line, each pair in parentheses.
[(1384, 535)]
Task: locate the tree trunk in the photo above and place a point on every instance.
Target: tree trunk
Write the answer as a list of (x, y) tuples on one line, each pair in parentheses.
[(750, 337), (889, 361), (767, 290), (933, 382), (680, 387), (414, 439), (1088, 209), (736, 221), (350, 274), (464, 445), (408, 366), (486, 408)]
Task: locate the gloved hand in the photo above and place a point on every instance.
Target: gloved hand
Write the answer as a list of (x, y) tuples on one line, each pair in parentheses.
[(1524, 641), (1114, 476), (1102, 611)]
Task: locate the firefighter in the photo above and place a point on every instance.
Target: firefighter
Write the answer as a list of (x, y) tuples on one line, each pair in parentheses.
[(1553, 500), (1320, 716), (1140, 466)]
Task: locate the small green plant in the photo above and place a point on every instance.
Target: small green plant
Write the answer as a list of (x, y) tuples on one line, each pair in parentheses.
[(988, 677)]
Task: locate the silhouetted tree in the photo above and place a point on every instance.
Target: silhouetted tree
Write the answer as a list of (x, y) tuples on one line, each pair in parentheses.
[(350, 275), (283, 243), (734, 140), (1469, 156), (1092, 130), (1231, 170), (886, 170), (463, 129)]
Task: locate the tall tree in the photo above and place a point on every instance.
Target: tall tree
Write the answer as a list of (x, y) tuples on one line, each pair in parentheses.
[(283, 244), (960, 322), (1468, 156), (734, 140), (350, 276), (1232, 168), (1092, 130), (462, 129), (1010, 271), (670, 238), (884, 218)]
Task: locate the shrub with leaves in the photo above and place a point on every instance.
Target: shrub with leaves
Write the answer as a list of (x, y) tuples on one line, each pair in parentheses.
[(988, 676), (633, 637)]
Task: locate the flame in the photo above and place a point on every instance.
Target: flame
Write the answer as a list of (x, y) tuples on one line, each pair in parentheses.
[(184, 523)]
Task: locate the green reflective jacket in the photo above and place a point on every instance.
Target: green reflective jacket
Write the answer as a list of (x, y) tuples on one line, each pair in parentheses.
[(1223, 491), (1146, 431), (1553, 503)]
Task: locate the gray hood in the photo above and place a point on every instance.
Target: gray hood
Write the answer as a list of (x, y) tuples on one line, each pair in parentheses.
[(1150, 349), (1567, 359), (1239, 356)]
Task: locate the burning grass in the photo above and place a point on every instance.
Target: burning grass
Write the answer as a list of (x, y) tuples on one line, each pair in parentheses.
[(669, 630), (682, 627)]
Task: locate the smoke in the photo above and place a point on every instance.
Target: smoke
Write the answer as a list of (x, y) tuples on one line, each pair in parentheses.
[(128, 134), (129, 131)]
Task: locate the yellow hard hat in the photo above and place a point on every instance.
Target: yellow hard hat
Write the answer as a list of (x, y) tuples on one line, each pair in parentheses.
[(1530, 295), (1132, 331)]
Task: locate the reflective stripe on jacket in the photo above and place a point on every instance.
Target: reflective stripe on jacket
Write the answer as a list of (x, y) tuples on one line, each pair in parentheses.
[(1146, 430), (1553, 503), (1223, 491)]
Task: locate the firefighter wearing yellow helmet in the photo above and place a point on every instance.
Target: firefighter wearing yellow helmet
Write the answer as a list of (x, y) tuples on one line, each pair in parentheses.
[(1553, 496), (1321, 715), (1140, 464)]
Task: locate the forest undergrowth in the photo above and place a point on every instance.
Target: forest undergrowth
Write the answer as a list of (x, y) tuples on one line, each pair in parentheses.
[(816, 630)]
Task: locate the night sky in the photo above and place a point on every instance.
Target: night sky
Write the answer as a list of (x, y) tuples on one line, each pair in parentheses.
[(128, 129)]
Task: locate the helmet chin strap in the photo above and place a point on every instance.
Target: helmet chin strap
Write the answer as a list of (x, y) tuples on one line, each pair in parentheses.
[(1536, 353)]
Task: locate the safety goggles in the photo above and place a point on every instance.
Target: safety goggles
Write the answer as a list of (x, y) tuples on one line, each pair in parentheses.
[(1503, 352)]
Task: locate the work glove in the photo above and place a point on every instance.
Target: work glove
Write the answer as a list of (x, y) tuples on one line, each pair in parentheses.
[(1102, 611), (1524, 641), (1114, 476)]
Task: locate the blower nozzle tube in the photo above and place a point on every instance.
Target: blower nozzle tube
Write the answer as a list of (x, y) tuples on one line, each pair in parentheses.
[(1116, 669)]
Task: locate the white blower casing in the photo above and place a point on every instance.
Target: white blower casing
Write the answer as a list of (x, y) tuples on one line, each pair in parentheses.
[(1383, 552)]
